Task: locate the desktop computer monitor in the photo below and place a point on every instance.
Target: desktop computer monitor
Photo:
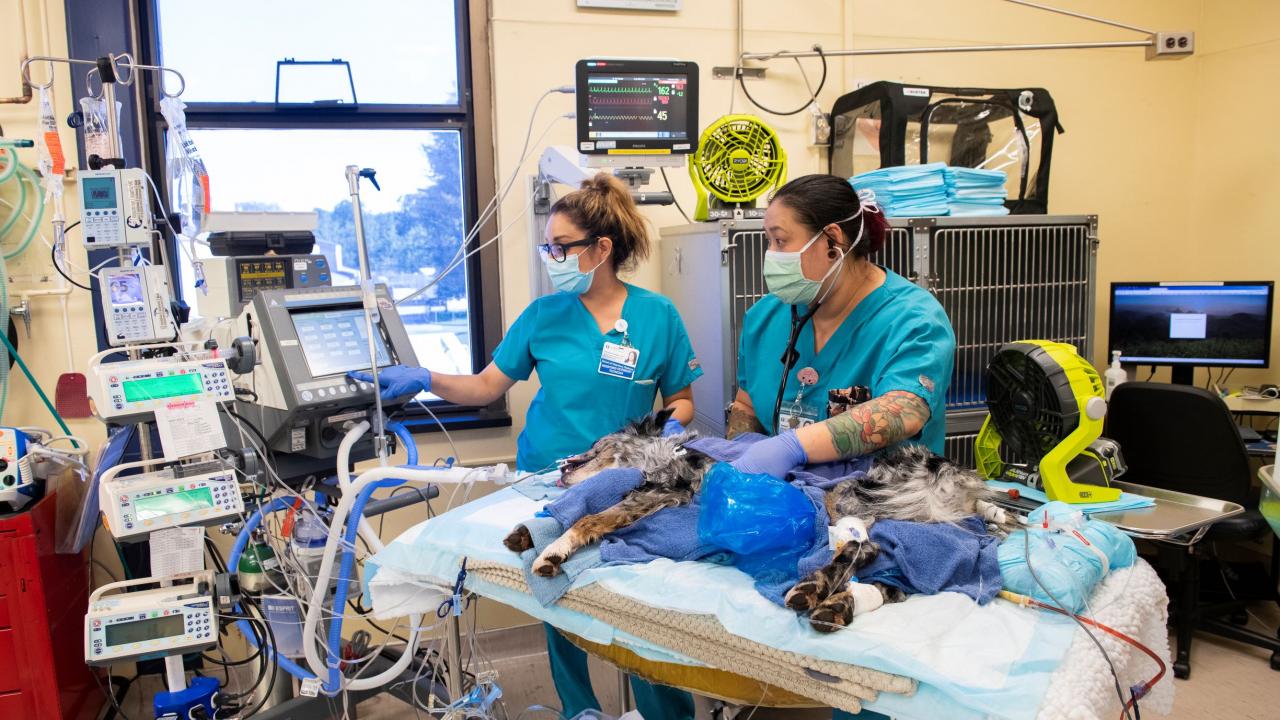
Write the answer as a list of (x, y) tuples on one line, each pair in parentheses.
[(1184, 325)]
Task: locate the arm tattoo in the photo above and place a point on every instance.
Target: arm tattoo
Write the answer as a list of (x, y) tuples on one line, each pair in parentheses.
[(742, 420), (877, 423)]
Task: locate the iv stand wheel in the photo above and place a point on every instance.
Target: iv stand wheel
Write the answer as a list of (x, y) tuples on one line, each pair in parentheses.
[(1182, 670)]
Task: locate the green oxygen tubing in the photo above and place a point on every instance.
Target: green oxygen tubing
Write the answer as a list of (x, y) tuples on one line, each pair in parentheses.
[(14, 170)]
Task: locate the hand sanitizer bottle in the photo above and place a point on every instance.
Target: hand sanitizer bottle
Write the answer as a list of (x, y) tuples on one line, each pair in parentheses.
[(1115, 374)]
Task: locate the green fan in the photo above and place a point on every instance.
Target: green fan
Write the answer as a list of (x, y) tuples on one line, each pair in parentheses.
[(739, 158)]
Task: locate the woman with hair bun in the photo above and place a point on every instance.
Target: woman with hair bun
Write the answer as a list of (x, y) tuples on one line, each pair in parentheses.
[(603, 350), (871, 352)]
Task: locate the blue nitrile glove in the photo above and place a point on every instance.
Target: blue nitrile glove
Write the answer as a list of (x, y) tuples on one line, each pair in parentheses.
[(397, 381), (672, 427), (775, 456)]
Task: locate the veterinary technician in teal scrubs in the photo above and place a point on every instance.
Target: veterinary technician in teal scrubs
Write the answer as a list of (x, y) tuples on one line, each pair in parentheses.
[(873, 360), (603, 350)]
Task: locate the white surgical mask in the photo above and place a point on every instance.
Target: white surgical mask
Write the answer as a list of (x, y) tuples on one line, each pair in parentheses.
[(784, 276)]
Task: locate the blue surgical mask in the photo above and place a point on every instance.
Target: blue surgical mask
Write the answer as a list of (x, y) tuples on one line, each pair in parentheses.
[(566, 276)]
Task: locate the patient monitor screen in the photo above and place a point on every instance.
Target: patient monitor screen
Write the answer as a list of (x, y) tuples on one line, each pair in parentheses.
[(636, 106), (1224, 324), (335, 341)]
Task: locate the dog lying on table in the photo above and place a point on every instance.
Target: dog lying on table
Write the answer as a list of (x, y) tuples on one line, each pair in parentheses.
[(909, 483)]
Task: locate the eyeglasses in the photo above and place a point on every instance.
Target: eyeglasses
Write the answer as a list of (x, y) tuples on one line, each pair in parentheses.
[(560, 251)]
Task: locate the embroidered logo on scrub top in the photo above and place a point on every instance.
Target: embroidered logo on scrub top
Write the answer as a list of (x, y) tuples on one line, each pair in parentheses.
[(926, 382), (694, 364)]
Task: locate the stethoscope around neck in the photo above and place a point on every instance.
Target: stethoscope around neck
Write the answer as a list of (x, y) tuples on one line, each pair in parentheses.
[(790, 356)]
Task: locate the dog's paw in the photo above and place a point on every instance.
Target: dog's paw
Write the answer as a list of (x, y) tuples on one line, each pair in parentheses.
[(548, 565), (802, 597), (519, 540), (832, 614), (891, 594), (864, 553)]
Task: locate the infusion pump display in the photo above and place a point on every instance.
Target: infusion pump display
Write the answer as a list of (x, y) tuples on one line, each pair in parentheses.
[(131, 390), (126, 625), (134, 506)]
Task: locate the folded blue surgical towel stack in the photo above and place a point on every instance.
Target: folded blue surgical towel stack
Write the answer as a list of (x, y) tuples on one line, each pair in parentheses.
[(907, 190), (976, 192), (935, 189)]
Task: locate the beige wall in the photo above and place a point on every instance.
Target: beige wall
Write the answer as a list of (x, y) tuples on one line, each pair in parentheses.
[(1147, 146), (1232, 186), (1174, 156), (46, 351)]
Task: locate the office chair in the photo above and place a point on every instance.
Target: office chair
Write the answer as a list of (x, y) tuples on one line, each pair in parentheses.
[(1183, 438)]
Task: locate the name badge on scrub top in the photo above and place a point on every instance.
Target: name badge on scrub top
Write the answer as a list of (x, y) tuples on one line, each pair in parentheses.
[(795, 415), (619, 360)]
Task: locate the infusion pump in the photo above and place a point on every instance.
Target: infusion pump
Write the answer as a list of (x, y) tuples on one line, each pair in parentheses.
[(115, 210), (135, 304), (132, 390), (134, 506), (138, 624)]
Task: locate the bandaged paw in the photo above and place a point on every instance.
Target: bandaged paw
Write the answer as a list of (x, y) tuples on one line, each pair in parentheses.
[(865, 597), (992, 513), (847, 530)]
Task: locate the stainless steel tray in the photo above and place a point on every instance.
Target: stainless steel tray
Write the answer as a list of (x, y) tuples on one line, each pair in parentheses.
[(1174, 514)]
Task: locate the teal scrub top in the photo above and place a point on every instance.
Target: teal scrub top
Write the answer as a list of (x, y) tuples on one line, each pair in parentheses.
[(897, 338), (577, 404)]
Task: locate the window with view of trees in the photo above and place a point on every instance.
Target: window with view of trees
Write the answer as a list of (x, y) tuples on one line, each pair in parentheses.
[(277, 130)]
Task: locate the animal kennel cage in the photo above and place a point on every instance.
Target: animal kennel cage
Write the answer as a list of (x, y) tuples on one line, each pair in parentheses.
[(1000, 279)]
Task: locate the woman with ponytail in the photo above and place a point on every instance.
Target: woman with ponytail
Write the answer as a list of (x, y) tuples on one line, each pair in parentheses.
[(604, 351)]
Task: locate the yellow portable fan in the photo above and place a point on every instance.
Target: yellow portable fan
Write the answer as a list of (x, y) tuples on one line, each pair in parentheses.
[(1045, 424), (739, 158)]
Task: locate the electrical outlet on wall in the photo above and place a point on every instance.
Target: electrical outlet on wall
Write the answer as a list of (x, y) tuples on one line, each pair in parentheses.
[(1165, 45), (820, 129)]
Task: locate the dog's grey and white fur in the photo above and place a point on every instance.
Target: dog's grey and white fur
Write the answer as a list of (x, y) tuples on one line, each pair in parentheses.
[(907, 483), (672, 476)]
